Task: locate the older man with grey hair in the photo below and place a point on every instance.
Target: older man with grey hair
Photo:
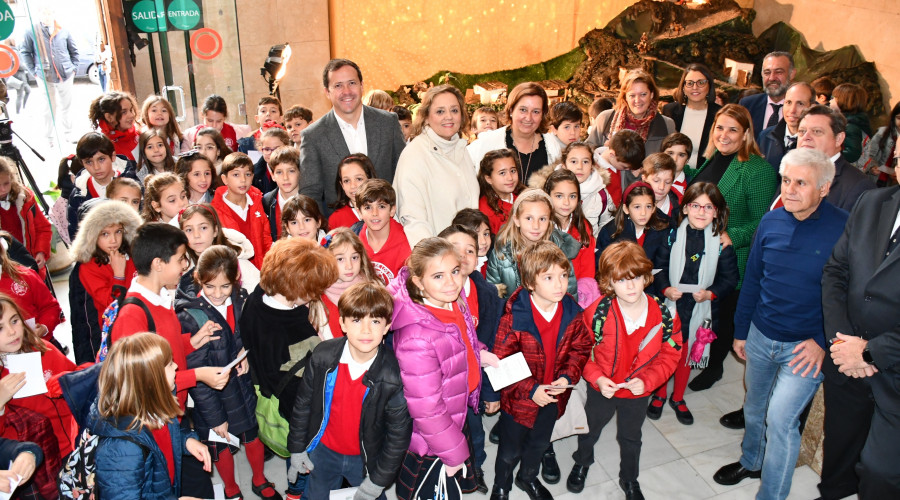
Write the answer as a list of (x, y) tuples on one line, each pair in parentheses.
[(778, 325)]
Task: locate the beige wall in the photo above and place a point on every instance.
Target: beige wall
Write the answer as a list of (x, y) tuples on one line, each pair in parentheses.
[(871, 25)]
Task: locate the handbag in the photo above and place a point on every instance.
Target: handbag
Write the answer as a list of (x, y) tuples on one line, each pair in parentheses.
[(273, 428), (574, 420)]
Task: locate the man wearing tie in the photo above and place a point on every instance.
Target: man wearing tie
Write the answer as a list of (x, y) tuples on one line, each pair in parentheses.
[(776, 141), (765, 109)]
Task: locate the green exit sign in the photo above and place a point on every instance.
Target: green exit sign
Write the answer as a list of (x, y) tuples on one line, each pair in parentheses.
[(151, 16)]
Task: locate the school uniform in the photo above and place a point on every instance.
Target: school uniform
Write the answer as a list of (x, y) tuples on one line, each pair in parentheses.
[(252, 221), (496, 220), (392, 256), (345, 216)]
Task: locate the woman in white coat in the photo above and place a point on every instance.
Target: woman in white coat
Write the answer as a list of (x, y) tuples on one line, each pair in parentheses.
[(435, 176)]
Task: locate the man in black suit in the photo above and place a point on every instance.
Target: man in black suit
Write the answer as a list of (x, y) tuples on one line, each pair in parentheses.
[(765, 109), (350, 127), (776, 141), (862, 374)]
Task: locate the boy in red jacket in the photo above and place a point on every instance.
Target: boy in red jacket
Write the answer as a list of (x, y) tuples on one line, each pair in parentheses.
[(381, 235), (240, 206), (638, 344), (546, 325)]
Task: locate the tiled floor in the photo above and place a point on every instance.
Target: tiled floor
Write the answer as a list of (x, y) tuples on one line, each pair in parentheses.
[(677, 461)]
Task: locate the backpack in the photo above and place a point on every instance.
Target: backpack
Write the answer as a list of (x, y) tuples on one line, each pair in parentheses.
[(603, 311), (109, 318), (77, 476)]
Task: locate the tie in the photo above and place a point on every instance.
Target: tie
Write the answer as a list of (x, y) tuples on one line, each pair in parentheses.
[(892, 244), (774, 118), (790, 142)]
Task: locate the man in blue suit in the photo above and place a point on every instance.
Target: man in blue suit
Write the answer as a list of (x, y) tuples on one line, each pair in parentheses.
[(777, 74)]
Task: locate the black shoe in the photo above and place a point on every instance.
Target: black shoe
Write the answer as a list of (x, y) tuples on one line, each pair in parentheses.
[(632, 490), (268, 454), (499, 494), (494, 435), (575, 483), (535, 490), (549, 467), (706, 379), (654, 411), (733, 420), (258, 490), (734, 473), (683, 416), (480, 485)]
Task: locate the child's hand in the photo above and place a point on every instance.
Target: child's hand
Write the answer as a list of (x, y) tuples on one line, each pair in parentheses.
[(117, 261), (541, 398), (205, 334), (489, 359), (673, 293), (725, 239), (10, 385), (636, 386), (5, 480), (702, 296), (40, 259), (222, 430), (41, 330), (561, 381), (244, 366), (200, 452), (491, 407), (607, 387), (24, 466), (210, 376)]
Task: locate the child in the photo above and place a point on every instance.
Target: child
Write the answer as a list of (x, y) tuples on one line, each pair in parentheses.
[(596, 202), (279, 337), (636, 349), (486, 307), (542, 322), (126, 190), (18, 338), (498, 180), (201, 225), (378, 99), (354, 267), (164, 198), (214, 113), (598, 106), (440, 358), (659, 171), (30, 292), (198, 174), (103, 270), (405, 119), (157, 113), (478, 223), (142, 447), (636, 220), (239, 205), (565, 122), (624, 154), (296, 119), (113, 114), (352, 172), (301, 218), (530, 222), (154, 156), (350, 419), (101, 165), (679, 147), (20, 215), (268, 114), (285, 165), (213, 146), (484, 118), (230, 410), (382, 236), (695, 258), (273, 138)]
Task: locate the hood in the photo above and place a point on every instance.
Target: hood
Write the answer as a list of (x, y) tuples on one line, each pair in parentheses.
[(79, 389), (539, 177), (106, 213), (238, 239)]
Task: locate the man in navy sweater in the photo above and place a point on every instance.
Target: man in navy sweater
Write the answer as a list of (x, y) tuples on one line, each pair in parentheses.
[(778, 324)]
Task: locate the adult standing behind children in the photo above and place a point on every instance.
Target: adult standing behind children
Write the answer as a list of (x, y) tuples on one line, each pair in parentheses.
[(348, 128), (694, 109), (435, 176)]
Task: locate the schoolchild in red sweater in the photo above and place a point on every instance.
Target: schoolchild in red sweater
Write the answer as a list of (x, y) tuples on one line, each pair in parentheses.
[(382, 236), (623, 155), (28, 290), (679, 147), (240, 207), (499, 181), (637, 347), (354, 267), (546, 325), (352, 172)]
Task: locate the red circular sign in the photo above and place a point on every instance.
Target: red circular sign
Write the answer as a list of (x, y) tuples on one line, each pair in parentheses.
[(206, 43), (9, 62)]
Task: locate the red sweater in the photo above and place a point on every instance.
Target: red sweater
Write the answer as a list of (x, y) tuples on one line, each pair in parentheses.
[(584, 263), (342, 432), (334, 323), (132, 319), (98, 281), (342, 217), (255, 228), (614, 186), (33, 297), (9, 221), (455, 317), (54, 408), (495, 220), (549, 332), (393, 254)]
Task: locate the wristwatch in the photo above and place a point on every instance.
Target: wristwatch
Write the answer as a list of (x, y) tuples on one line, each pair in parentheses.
[(867, 356)]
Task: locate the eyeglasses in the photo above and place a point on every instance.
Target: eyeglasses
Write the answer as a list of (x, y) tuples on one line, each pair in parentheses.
[(267, 150), (698, 207), (699, 83)]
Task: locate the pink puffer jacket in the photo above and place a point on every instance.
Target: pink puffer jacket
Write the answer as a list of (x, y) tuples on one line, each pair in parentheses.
[(433, 367)]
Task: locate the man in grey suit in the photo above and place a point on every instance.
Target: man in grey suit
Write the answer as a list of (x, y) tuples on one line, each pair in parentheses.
[(350, 127)]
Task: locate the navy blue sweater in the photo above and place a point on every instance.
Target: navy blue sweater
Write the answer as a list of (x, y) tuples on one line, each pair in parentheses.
[(782, 291)]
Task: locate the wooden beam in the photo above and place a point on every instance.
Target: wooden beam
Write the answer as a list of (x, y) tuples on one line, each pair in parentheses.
[(112, 31)]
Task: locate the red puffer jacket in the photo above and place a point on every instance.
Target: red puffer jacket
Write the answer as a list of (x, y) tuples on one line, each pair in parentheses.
[(518, 333), (35, 226)]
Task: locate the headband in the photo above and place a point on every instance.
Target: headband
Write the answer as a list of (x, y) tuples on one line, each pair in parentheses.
[(634, 185)]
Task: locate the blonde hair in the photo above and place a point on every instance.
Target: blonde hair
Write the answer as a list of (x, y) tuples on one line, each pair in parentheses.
[(7, 265), (378, 99), (133, 382), (424, 251), (345, 236), (418, 124), (739, 114), (510, 234), (15, 186)]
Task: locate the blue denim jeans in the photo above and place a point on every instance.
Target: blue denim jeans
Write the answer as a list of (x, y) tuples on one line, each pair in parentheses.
[(476, 431), (330, 468), (775, 399), (298, 486)]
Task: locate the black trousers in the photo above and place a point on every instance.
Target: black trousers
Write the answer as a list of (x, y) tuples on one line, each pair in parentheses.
[(195, 482), (519, 443), (719, 348), (879, 463), (630, 415), (848, 414)]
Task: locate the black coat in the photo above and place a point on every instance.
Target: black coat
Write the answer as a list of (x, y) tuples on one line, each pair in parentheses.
[(654, 241), (675, 111), (490, 310), (385, 424), (261, 178), (771, 144), (270, 203)]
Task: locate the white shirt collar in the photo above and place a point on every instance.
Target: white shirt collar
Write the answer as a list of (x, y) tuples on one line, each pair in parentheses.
[(467, 285), (547, 315), (665, 204), (242, 212), (161, 299), (354, 136), (448, 307), (281, 201), (355, 368), (274, 304), (631, 325), (223, 309), (835, 158)]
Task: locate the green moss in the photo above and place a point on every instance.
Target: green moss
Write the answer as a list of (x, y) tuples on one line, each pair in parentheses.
[(559, 68)]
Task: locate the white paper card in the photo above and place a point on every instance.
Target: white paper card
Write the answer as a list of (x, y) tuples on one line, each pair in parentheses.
[(218, 491), (344, 494), (655, 271), (30, 363), (511, 370), (254, 155), (551, 387), (229, 366), (31, 323), (13, 484), (688, 288), (232, 439)]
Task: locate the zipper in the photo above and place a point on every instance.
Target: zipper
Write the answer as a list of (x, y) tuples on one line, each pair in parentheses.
[(362, 444), (642, 366), (322, 422)]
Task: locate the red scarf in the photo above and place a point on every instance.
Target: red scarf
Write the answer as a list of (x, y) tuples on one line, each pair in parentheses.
[(125, 141), (625, 120)]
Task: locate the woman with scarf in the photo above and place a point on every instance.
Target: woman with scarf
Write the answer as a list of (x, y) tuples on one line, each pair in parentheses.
[(114, 114)]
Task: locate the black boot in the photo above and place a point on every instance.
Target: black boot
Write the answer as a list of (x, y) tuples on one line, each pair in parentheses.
[(632, 490), (575, 483), (499, 494), (733, 420), (549, 467), (480, 485), (494, 435), (706, 379)]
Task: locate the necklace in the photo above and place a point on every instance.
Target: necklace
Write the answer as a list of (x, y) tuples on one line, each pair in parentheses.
[(530, 155)]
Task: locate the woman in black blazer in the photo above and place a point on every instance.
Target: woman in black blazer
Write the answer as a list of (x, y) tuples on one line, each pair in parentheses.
[(694, 109)]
